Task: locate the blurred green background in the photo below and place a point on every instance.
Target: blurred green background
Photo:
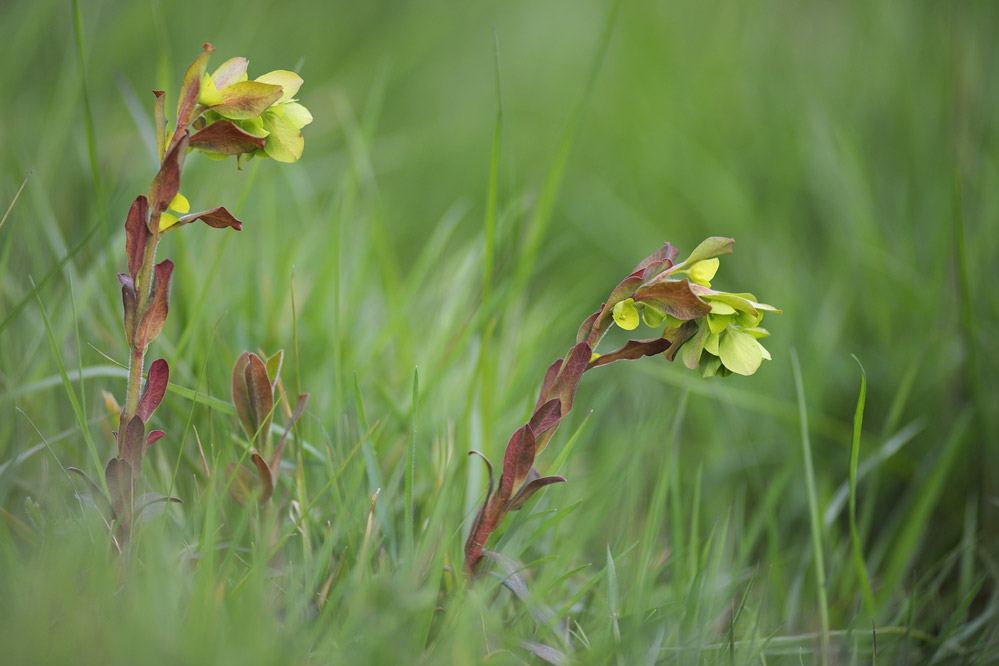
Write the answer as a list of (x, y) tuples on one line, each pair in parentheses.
[(849, 148)]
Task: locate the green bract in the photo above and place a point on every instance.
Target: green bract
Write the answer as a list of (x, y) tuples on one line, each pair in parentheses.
[(243, 117)]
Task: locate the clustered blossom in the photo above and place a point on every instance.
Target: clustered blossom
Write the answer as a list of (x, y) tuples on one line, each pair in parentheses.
[(715, 331)]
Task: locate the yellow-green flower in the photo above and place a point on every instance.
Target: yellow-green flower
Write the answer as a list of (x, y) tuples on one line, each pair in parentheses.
[(181, 205)]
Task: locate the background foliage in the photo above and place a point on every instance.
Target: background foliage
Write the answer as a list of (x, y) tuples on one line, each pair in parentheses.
[(850, 148)]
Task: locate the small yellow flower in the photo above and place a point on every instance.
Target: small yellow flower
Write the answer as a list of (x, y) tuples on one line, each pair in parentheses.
[(181, 205)]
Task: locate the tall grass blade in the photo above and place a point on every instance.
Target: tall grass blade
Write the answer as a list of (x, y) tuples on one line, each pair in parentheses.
[(858, 554)]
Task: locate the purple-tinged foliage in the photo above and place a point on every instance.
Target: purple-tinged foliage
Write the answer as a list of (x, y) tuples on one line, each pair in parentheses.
[(714, 331)]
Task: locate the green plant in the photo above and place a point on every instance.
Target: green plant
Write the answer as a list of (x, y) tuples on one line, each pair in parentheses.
[(714, 331), (221, 114)]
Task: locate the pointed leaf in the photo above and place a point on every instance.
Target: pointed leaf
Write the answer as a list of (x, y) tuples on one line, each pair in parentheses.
[(547, 416), (229, 72), (674, 297), (191, 88), (136, 234), (246, 99), (166, 184), (132, 443), (160, 122), (225, 138), (217, 218), (530, 488), (241, 395), (156, 385), (710, 247), (156, 312), (129, 304), (586, 328), (633, 349), (153, 437), (517, 462), (274, 366), (564, 387), (266, 481), (261, 396), (659, 260), (546, 386)]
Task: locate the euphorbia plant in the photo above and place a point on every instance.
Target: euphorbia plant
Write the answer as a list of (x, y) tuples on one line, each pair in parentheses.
[(714, 331), (221, 114)]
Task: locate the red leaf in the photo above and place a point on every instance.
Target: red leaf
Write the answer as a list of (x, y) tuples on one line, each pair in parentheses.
[(586, 328), (529, 489), (153, 437), (136, 234), (156, 385), (166, 184), (219, 218), (546, 385), (674, 297), (225, 138), (129, 304), (156, 312), (191, 88), (565, 384), (517, 462), (547, 416), (266, 482), (131, 443), (241, 395), (261, 399), (658, 261), (622, 291), (632, 350)]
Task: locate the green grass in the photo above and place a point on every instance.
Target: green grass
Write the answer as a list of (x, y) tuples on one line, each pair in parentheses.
[(446, 219)]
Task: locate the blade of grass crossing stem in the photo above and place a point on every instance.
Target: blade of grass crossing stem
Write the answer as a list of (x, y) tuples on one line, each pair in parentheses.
[(858, 553), (77, 409), (14, 200), (563, 455), (906, 539), (411, 464), (489, 251), (556, 172), (813, 509)]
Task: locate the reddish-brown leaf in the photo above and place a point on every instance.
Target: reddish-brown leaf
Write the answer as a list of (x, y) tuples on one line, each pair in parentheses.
[(166, 184), (632, 350), (136, 234), (219, 218), (674, 297), (129, 304), (244, 100), (156, 312), (191, 88), (546, 385), (225, 138), (241, 395), (156, 385), (586, 328), (564, 387), (657, 262), (264, 472), (132, 443), (242, 483), (531, 487), (546, 416), (261, 398), (153, 437), (517, 462), (622, 291), (678, 337)]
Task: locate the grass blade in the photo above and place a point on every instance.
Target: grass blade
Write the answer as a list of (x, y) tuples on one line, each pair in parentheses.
[(858, 556)]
